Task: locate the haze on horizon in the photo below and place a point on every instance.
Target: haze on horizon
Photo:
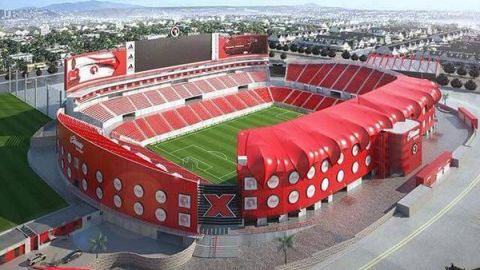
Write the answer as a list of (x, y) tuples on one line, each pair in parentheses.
[(460, 5)]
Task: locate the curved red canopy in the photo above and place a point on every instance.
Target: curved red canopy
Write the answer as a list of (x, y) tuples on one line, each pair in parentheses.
[(298, 144)]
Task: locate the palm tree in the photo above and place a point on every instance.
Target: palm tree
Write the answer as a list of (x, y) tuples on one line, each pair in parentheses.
[(98, 244), (285, 243), (445, 97)]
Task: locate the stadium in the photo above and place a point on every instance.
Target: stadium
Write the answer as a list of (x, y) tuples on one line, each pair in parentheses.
[(178, 134)]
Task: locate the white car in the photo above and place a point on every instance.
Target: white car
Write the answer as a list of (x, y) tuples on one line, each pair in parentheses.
[(39, 257)]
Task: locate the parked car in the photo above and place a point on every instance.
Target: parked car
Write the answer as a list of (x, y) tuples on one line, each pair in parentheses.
[(71, 256), (39, 257)]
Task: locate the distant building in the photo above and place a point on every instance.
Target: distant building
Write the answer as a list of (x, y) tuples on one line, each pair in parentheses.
[(44, 29), (27, 57)]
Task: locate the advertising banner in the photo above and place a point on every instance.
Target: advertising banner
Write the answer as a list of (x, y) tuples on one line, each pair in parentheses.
[(242, 45), (88, 67)]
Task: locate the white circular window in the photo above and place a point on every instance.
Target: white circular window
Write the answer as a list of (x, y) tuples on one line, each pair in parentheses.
[(69, 158), (99, 192), (293, 177), (84, 169), (138, 191), (84, 184), (117, 201), (117, 184), (368, 160), (273, 201), (138, 208), (325, 165), (69, 172), (340, 176), (273, 182), (368, 146), (355, 167), (160, 196), (310, 191), (355, 150), (325, 184), (293, 196), (311, 172), (340, 159), (99, 176), (160, 214)]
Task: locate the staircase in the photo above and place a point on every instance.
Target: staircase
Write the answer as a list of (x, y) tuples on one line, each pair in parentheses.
[(217, 246)]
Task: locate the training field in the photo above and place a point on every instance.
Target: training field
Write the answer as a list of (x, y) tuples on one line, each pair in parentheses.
[(23, 195), (212, 152)]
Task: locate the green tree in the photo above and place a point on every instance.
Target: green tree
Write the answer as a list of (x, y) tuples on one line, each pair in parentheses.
[(98, 244), (445, 97), (285, 243), (354, 57), (363, 58), (283, 56)]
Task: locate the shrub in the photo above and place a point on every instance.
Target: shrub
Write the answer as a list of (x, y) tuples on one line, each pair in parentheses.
[(52, 69), (354, 57), (293, 47), (346, 55), (363, 58), (449, 68), (462, 71), (474, 73), (442, 79), (332, 53), (286, 47), (283, 56), (456, 83), (470, 85), (271, 54)]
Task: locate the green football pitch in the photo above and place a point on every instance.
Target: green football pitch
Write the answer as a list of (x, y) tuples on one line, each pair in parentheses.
[(212, 152), (23, 195)]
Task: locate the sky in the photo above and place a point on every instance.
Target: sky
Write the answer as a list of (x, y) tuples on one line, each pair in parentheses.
[(361, 4)]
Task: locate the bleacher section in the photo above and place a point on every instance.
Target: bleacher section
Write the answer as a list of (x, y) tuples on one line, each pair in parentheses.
[(354, 79), (123, 105), (161, 123)]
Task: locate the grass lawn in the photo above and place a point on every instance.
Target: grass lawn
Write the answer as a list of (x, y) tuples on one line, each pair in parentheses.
[(23, 195), (212, 152)]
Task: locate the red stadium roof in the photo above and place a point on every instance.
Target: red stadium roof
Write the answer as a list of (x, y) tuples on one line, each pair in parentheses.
[(299, 143)]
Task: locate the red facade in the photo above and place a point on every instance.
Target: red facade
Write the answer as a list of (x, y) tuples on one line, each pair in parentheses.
[(122, 180), (295, 164)]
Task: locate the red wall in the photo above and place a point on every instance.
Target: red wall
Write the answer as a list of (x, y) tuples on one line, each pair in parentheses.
[(112, 165), (10, 255), (466, 116), (285, 188), (408, 162)]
